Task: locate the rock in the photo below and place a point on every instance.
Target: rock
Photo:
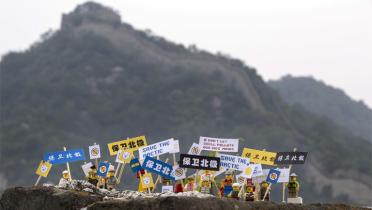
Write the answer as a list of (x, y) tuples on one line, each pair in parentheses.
[(43, 198)]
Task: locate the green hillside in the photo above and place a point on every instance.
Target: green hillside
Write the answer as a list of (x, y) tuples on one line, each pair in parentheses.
[(324, 100)]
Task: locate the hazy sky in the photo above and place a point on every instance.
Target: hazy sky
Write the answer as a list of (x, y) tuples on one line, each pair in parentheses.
[(330, 40)]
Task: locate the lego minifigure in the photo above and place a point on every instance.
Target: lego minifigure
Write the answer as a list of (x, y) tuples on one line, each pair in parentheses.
[(64, 182), (263, 187), (191, 185), (92, 175), (235, 191), (293, 186)]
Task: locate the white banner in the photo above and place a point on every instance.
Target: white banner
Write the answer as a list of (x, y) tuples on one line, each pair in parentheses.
[(86, 168), (167, 188), (176, 147), (233, 162), (156, 149), (195, 149), (283, 177), (219, 145), (94, 151), (178, 173)]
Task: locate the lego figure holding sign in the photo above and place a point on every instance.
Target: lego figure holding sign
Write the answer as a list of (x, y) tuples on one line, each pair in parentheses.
[(293, 186), (191, 185), (263, 187), (235, 191), (226, 187), (92, 175), (111, 180), (249, 190), (64, 182), (206, 183)]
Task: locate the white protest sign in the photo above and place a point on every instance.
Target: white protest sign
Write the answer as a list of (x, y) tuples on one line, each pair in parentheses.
[(233, 162), (86, 168), (156, 149), (240, 179), (195, 149), (167, 188), (178, 173), (219, 145), (94, 151), (252, 170), (284, 175), (176, 147)]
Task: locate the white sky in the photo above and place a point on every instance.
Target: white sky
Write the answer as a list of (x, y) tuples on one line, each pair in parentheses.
[(328, 39)]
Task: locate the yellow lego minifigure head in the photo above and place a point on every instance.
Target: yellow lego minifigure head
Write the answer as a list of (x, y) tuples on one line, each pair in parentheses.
[(236, 187), (293, 177), (249, 189), (190, 180), (228, 175), (205, 183), (264, 184), (111, 173), (65, 175)]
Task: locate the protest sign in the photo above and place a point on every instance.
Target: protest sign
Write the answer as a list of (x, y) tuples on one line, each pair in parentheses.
[(233, 162), (195, 149), (94, 152), (176, 147), (132, 144), (273, 176), (147, 181), (124, 156), (252, 170), (290, 158), (43, 169), (167, 188), (86, 168), (200, 162), (64, 156), (157, 166), (284, 174), (178, 173), (240, 179), (259, 156), (218, 144), (135, 165), (103, 169), (156, 149)]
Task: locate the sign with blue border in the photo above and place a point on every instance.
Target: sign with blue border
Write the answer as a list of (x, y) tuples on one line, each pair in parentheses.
[(61, 157), (159, 167)]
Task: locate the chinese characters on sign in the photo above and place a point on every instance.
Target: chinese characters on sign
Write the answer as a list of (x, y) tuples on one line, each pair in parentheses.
[(259, 156), (200, 162), (158, 167), (219, 145), (287, 158), (64, 156), (132, 143)]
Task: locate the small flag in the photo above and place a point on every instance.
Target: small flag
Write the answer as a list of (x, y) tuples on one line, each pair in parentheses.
[(273, 176), (102, 169), (43, 169)]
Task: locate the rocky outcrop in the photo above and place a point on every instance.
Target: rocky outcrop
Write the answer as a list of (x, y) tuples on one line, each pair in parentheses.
[(45, 198), (41, 198)]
